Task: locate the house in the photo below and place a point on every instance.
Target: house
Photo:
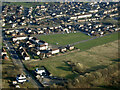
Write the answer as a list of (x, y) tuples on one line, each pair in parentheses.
[(9, 31), (24, 54), (74, 18), (48, 54), (14, 25), (18, 37), (93, 11), (117, 29), (35, 40), (35, 51), (62, 49), (21, 78), (4, 54), (14, 82), (41, 71), (54, 51), (17, 86), (21, 33), (29, 44), (14, 34), (42, 55), (41, 42), (85, 16), (17, 42), (70, 47), (42, 47), (40, 32), (66, 30)]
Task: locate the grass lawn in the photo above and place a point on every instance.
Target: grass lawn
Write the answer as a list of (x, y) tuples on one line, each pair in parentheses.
[(92, 59), (98, 41), (64, 39)]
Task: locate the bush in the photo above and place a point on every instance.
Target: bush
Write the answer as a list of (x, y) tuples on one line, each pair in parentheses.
[(79, 68), (97, 75), (90, 77)]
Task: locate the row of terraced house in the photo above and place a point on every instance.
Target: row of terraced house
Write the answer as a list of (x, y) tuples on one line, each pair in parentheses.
[(37, 47)]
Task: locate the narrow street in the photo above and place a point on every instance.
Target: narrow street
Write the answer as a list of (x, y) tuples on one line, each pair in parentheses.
[(16, 60)]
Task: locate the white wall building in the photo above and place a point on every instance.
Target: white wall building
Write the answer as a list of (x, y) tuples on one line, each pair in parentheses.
[(21, 78), (40, 71), (54, 51), (19, 38), (85, 16)]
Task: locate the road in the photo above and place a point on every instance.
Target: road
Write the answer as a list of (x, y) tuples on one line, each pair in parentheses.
[(16, 60)]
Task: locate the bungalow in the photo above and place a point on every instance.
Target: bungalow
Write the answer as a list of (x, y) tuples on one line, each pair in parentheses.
[(54, 51), (41, 71)]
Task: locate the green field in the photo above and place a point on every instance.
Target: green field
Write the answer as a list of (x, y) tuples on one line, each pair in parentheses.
[(64, 39), (92, 59), (103, 51), (98, 41)]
